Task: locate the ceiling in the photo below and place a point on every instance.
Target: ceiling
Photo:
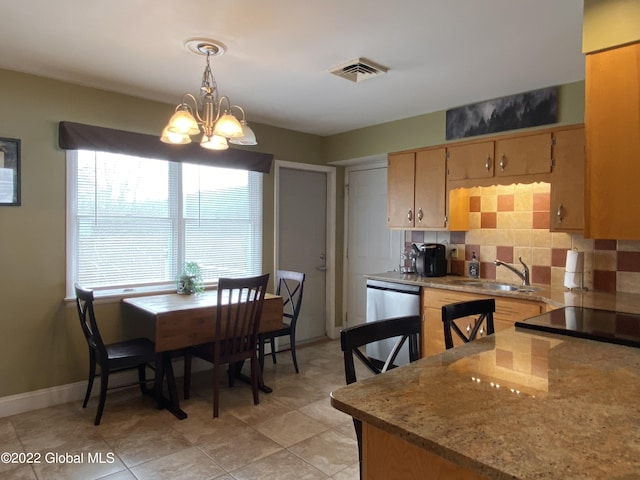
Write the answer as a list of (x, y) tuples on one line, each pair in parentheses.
[(440, 53)]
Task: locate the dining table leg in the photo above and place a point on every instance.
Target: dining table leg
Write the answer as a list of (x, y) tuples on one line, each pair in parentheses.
[(247, 379), (164, 369)]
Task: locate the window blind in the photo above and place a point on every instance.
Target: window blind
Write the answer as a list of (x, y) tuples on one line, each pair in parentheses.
[(134, 221)]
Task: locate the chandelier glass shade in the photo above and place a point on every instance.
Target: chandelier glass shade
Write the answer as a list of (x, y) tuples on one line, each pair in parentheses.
[(213, 115), (171, 137)]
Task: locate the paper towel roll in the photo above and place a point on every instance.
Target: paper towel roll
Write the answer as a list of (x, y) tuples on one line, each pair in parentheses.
[(575, 261), (574, 266)]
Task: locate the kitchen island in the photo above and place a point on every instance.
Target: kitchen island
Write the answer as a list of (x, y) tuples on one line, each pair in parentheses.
[(514, 405)]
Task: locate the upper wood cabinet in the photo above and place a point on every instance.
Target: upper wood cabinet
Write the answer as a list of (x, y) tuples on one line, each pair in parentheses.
[(514, 155), (612, 130), (567, 181), (400, 190), (523, 155), (429, 188), (416, 189), (470, 160), (430, 204)]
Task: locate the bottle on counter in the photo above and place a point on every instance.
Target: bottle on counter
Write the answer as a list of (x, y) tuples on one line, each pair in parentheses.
[(474, 266), (408, 260)]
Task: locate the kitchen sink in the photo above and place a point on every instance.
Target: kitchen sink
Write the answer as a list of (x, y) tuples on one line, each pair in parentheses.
[(503, 287)]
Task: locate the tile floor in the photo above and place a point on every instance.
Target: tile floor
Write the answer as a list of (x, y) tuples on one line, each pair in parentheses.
[(293, 433)]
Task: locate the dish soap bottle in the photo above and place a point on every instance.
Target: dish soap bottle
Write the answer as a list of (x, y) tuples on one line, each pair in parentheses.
[(474, 266)]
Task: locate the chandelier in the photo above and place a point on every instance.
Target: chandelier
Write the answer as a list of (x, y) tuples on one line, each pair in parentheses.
[(213, 115)]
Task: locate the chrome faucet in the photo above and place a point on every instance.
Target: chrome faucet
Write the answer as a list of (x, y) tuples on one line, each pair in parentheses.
[(524, 275)]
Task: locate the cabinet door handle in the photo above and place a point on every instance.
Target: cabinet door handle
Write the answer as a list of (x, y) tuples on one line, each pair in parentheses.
[(503, 162), (420, 215), (487, 163), (559, 213), (410, 216)]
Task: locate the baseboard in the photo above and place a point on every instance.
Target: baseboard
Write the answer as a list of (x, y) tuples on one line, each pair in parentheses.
[(74, 392), (48, 397)]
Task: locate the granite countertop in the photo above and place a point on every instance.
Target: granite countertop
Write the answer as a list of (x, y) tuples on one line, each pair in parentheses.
[(516, 404), (556, 297)]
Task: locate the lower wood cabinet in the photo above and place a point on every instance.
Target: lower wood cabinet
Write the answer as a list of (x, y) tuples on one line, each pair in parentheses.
[(508, 311), (389, 457)]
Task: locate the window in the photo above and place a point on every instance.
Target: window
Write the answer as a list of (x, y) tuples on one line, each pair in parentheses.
[(132, 222)]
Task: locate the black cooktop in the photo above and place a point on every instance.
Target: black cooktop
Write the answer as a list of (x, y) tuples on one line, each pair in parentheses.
[(589, 323)]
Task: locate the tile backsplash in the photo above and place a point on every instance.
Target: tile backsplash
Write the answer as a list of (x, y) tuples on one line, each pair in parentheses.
[(508, 222)]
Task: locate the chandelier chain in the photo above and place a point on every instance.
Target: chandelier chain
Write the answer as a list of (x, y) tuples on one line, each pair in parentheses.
[(209, 85)]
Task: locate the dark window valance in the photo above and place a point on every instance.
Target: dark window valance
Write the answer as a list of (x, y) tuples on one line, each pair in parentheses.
[(77, 136)]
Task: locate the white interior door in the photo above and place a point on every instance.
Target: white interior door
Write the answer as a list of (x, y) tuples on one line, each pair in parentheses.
[(372, 247), (302, 221)]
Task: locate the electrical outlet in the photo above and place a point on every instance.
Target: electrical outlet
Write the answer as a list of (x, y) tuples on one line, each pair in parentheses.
[(453, 254)]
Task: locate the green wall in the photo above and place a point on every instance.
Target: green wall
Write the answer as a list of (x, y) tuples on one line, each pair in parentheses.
[(42, 345), (429, 129)]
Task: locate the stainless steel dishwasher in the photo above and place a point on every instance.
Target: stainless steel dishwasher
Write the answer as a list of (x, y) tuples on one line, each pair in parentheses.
[(389, 300)]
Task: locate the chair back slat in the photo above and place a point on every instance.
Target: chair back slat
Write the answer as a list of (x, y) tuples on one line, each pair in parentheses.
[(354, 338), (84, 306), (238, 318), (290, 286), (454, 312)]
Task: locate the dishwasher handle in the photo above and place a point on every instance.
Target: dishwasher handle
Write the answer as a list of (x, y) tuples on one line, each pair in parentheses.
[(393, 287)]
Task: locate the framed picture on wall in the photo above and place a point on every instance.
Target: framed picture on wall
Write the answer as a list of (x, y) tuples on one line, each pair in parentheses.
[(9, 171)]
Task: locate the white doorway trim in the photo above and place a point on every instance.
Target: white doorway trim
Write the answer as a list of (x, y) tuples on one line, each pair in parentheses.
[(332, 331)]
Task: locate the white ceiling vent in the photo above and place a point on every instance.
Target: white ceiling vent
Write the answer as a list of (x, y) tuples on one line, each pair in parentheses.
[(358, 69)]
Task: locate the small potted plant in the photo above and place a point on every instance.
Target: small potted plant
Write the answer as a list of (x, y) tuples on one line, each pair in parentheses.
[(190, 279)]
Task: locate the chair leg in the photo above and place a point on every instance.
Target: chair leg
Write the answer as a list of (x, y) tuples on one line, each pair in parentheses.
[(158, 386), (187, 376), (273, 349), (261, 352), (216, 393), (254, 379), (92, 376), (142, 378), (104, 383), (232, 371), (292, 342)]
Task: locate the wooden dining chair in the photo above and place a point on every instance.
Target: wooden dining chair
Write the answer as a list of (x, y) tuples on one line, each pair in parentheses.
[(353, 339), (137, 353), (456, 314), (289, 286), (235, 336)]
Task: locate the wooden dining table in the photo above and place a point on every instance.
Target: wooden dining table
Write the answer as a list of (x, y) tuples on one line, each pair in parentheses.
[(182, 321)]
